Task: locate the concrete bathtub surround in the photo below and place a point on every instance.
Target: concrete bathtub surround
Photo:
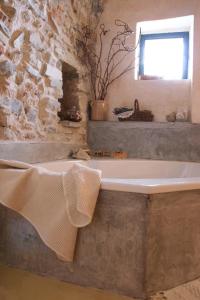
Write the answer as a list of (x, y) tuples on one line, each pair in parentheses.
[(34, 152), (148, 140), (143, 239)]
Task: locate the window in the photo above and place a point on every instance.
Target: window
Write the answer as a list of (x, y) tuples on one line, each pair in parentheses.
[(166, 48), (164, 55)]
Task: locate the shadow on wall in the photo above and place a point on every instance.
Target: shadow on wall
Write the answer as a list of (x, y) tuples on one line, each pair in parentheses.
[(70, 97)]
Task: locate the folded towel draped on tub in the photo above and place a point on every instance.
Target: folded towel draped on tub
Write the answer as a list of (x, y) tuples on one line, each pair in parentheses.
[(56, 203)]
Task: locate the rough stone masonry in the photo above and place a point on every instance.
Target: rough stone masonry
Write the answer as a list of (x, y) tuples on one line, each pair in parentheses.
[(35, 38)]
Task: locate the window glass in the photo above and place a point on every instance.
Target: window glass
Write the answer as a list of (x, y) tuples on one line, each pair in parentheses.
[(165, 55), (164, 58)]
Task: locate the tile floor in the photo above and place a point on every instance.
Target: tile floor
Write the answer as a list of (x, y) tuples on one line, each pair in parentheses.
[(20, 285)]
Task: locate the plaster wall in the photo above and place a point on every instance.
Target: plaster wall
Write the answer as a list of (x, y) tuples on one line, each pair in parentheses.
[(162, 97)]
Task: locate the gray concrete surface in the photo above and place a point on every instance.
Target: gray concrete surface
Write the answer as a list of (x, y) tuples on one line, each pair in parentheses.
[(165, 141), (33, 152), (109, 253), (173, 244), (136, 245)]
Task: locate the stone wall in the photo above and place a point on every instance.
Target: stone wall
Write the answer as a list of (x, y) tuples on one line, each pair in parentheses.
[(35, 38)]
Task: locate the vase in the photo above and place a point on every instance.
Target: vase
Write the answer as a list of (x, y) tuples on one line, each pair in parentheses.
[(99, 110)]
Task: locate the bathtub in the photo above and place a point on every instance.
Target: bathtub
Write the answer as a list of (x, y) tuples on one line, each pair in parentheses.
[(145, 235), (140, 176)]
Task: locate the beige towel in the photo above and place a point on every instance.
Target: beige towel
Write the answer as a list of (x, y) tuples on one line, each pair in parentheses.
[(55, 203)]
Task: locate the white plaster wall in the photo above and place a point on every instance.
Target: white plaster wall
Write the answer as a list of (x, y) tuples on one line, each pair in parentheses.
[(162, 97), (196, 70)]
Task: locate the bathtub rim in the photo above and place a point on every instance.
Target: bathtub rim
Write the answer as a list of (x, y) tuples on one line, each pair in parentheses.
[(142, 186)]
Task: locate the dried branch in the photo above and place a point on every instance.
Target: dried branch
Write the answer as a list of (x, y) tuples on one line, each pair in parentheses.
[(103, 72)]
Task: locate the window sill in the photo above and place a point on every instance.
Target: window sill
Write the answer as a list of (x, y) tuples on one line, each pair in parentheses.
[(164, 80)]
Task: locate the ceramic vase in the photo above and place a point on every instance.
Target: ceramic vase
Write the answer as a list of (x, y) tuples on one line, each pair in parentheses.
[(99, 110)]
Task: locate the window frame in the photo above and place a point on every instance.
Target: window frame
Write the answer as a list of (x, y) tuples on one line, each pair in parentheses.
[(156, 36)]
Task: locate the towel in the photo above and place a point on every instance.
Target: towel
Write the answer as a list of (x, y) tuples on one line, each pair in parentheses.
[(55, 203)]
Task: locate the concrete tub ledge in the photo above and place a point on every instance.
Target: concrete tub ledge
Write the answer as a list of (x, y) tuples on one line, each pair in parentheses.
[(147, 140), (136, 245), (33, 152)]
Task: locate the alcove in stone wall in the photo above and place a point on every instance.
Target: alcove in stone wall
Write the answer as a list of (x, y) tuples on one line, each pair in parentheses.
[(70, 90)]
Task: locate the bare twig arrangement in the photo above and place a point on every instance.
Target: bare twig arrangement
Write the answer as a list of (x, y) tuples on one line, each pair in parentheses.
[(105, 68)]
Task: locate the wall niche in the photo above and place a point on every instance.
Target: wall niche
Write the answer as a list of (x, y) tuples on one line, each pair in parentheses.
[(70, 99)]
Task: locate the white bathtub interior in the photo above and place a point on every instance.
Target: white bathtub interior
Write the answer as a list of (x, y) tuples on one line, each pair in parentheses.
[(141, 176)]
